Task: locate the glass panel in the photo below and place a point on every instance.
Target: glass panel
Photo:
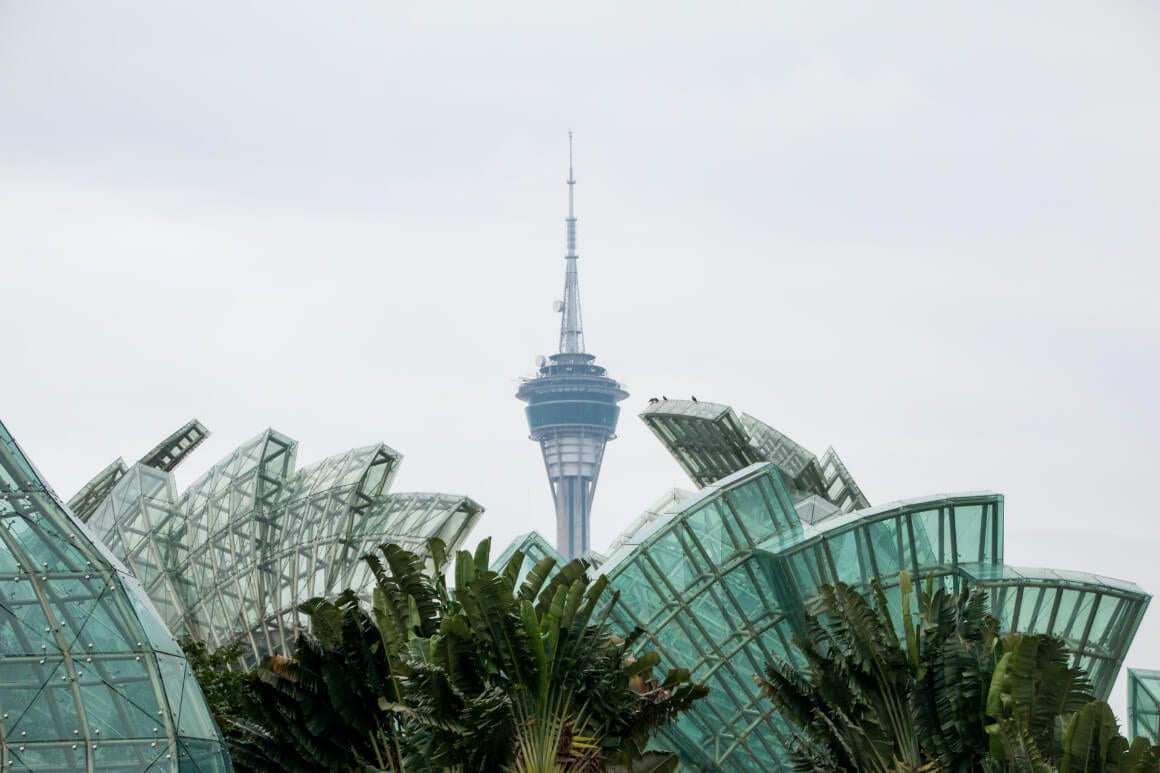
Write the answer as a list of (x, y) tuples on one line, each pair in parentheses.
[(968, 527), (1102, 618), (120, 700), (43, 545), (670, 559), (708, 528), (105, 626), (153, 755), (636, 593), (844, 552), (185, 700), (883, 536), (747, 597), (677, 644), (1071, 618), (22, 621), (928, 537), (809, 570), (1035, 612), (201, 756), (705, 612), (1143, 703), (1003, 606), (749, 507), (62, 756), (37, 708)]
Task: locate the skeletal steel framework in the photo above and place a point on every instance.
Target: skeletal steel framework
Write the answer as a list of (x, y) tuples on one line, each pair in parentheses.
[(232, 557), (572, 408), (719, 578), (165, 456), (90, 679)]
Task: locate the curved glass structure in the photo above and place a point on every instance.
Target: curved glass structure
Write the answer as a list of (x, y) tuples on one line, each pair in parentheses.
[(1096, 616), (90, 679), (710, 441), (719, 579), (230, 558)]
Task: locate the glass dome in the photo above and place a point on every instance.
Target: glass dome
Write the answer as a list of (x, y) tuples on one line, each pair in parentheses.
[(89, 676)]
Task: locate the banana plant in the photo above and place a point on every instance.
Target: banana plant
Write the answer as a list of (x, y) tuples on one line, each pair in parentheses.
[(1034, 689), (315, 711), (455, 669), (546, 664), (1092, 742), (938, 690)]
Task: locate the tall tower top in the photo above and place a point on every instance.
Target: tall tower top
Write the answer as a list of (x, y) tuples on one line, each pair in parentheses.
[(571, 408), (571, 326)]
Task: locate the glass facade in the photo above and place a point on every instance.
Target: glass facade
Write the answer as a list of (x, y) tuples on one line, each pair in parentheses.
[(719, 579), (90, 678), (1096, 616), (711, 441), (1144, 704), (231, 557)]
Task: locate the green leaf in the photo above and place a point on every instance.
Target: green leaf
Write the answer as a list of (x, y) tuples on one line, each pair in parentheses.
[(536, 645), (511, 571), (536, 577), (482, 551)]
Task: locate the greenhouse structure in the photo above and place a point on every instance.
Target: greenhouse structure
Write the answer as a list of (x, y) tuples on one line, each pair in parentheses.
[(230, 558), (90, 678), (1144, 704), (718, 578)]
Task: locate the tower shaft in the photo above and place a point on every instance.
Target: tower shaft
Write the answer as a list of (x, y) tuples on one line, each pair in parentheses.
[(572, 460)]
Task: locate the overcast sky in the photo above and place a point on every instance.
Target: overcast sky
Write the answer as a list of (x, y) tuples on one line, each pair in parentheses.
[(925, 235)]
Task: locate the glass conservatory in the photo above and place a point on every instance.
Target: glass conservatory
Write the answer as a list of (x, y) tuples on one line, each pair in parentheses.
[(90, 678), (719, 578), (231, 557), (1144, 704)]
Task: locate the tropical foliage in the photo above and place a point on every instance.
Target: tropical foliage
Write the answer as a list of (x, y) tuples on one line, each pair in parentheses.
[(940, 691), (218, 674), (482, 675)]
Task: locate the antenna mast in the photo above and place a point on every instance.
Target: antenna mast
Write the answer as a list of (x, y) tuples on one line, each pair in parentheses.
[(571, 328)]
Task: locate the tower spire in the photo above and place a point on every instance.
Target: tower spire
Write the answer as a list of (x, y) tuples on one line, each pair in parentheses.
[(571, 327)]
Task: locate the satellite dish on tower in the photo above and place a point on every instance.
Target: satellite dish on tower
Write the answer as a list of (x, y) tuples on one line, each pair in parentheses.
[(557, 306), (541, 360)]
